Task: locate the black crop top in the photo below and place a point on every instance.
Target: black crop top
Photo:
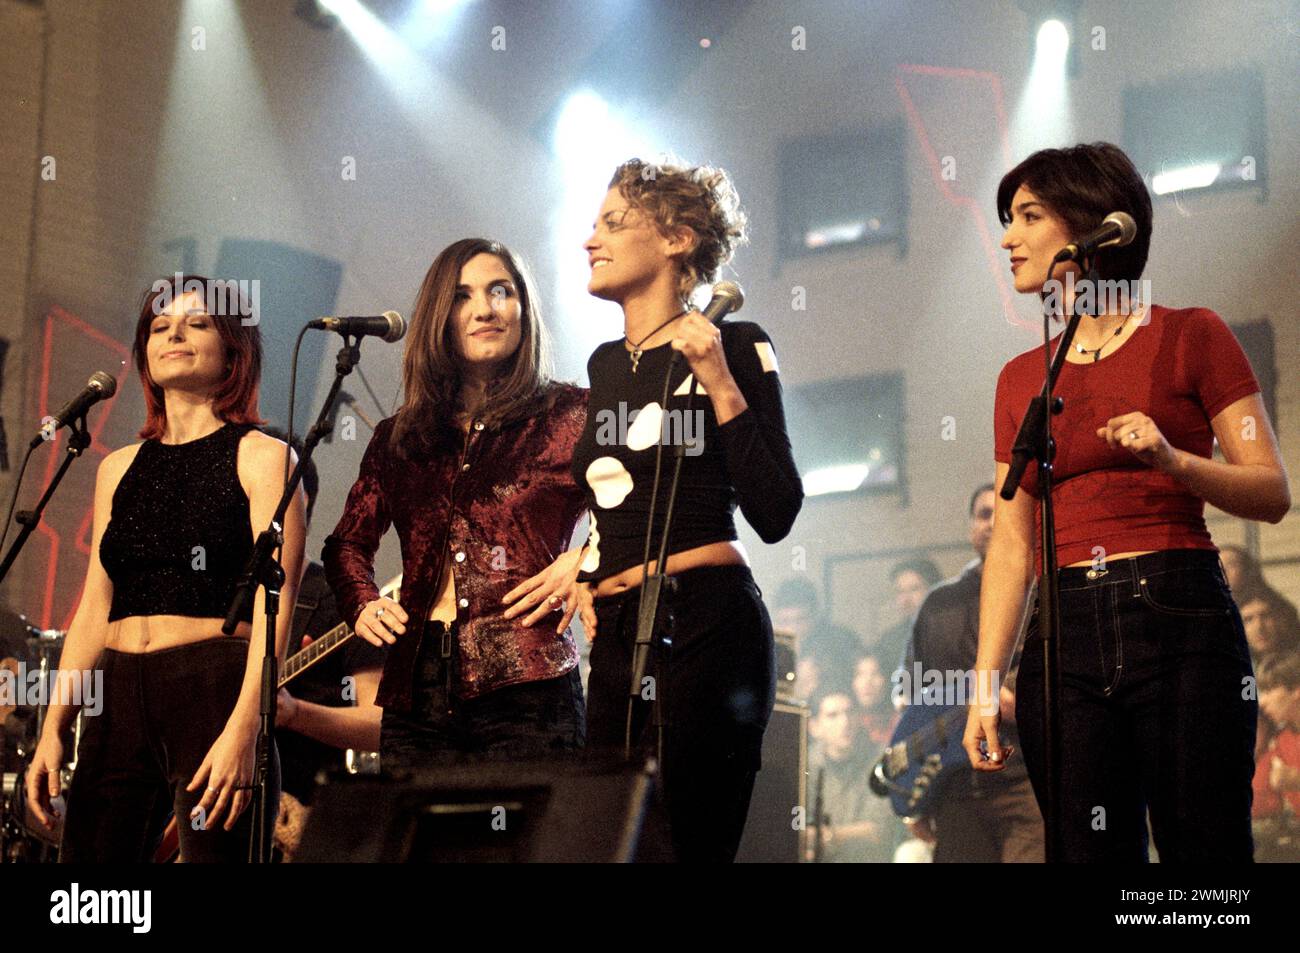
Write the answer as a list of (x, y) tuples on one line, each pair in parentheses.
[(747, 460), (180, 532)]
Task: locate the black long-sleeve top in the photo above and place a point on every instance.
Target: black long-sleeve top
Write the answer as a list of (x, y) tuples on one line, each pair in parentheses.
[(746, 461)]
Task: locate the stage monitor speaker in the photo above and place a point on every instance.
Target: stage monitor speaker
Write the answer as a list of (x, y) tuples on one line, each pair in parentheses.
[(556, 812), (773, 832)]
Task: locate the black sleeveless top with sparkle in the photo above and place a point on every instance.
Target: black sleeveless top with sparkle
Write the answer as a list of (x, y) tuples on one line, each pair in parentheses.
[(180, 532), (746, 461)]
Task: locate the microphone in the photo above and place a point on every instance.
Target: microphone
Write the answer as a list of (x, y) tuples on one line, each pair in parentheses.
[(727, 297), (390, 326), (1117, 229), (99, 387)]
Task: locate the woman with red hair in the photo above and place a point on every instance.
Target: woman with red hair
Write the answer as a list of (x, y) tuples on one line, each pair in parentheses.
[(175, 518)]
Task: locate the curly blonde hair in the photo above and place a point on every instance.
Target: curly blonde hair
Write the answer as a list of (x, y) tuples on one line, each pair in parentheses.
[(701, 198)]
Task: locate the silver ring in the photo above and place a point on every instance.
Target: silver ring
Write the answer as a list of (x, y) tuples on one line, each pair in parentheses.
[(379, 613), (1132, 434)]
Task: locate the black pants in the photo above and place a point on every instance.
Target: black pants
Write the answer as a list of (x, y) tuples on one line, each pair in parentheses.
[(162, 712), (532, 720), (716, 686), (1158, 712)]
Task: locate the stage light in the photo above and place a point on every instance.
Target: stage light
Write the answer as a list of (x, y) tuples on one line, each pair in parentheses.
[(376, 40), (1042, 117), (1053, 41), (1189, 177), (431, 20), (313, 12), (414, 85), (590, 139), (841, 479)]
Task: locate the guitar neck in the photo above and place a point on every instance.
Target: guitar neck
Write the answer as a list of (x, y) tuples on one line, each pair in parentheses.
[(298, 663)]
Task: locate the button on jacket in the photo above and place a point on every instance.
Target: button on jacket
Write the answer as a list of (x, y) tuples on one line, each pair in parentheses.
[(497, 505)]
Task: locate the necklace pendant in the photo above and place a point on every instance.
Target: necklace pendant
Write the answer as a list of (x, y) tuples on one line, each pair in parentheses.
[(636, 358)]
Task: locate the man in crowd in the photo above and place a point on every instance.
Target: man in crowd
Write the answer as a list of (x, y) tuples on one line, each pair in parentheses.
[(857, 826), (910, 580), (987, 818), (1272, 628), (825, 650)]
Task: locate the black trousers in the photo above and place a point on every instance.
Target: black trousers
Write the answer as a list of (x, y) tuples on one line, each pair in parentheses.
[(162, 712), (1158, 712), (716, 685), (532, 720)]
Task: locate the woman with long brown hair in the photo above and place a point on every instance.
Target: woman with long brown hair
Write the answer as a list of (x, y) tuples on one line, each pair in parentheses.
[(175, 518), (473, 471)]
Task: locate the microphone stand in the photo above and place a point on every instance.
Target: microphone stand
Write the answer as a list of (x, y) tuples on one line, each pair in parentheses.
[(1034, 442), (654, 585), (78, 441), (263, 569)]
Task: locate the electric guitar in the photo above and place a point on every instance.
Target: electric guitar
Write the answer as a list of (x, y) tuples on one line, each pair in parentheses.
[(320, 647), (926, 747)]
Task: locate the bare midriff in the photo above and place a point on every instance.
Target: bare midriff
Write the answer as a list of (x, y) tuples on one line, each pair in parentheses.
[(152, 633), (444, 606), (710, 554)]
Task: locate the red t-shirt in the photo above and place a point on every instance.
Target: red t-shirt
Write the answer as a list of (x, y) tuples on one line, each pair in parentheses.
[(1181, 368), (1269, 803)]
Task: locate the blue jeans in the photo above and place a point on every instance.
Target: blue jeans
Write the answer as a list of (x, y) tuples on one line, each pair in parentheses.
[(528, 721), (1158, 712)]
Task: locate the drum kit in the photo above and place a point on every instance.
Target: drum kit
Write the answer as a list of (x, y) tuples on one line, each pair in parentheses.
[(24, 839)]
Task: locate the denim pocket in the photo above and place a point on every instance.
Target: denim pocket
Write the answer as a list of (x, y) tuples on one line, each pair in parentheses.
[(1186, 592)]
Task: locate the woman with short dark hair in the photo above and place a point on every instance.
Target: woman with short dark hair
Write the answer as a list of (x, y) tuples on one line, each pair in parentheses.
[(1156, 701)]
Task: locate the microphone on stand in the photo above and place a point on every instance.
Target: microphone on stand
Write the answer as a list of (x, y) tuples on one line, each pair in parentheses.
[(100, 387), (1116, 230), (390, 326)]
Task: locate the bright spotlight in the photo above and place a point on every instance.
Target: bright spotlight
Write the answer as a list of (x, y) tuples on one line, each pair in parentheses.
[(1191, 177), (1053, 41), (591, 137), (1042, 117), (844, 478), (432, 20)]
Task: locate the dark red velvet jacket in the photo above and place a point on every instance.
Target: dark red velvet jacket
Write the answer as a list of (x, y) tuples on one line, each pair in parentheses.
[(502, 505)]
